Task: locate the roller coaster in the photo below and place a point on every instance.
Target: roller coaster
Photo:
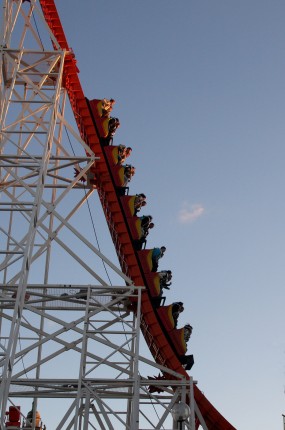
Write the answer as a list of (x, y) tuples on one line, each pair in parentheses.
[(31, 166)]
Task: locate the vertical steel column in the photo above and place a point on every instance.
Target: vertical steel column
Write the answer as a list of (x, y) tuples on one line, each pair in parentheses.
[(82, 370), (136, 376), (28, 251), (192, 404)]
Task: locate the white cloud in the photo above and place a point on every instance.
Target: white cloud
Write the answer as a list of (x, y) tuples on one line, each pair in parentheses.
[(189, 213)]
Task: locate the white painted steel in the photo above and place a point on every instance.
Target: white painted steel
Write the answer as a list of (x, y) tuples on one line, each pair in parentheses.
[(73, 342)]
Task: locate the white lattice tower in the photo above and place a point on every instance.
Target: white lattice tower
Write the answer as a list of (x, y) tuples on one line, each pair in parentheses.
[(76, 342)]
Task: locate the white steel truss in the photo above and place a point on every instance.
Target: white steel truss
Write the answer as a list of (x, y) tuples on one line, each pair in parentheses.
[(62, 342)]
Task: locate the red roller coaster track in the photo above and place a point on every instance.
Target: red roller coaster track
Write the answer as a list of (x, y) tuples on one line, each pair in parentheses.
[(156, 339)]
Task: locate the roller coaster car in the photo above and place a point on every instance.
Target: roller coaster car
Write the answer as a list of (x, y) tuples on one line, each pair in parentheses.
[(104, 107), (112, 154), (134, 224), (165, 316), (128, 204), (14, 417), (177, 337), (153, 283), (118, 174), (117, 154), (102, 123), (145, 257), (98, 107), (122, 175)]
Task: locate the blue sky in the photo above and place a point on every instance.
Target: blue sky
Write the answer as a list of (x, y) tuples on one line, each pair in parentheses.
[(200, 93)]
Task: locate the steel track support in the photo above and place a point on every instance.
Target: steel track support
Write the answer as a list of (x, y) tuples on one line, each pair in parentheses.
[(62, 340)]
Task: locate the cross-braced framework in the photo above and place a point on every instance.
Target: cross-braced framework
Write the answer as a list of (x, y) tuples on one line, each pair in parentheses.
[(70, 347)]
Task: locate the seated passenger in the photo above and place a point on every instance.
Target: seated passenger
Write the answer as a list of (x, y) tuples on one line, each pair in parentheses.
[(165, 278), (157, 254), (140, 201), (145, 234), (177, 308), (29, 419), (113, 124), (146, 225), (123, 153), (141, 243), (129, 172), (187, 332), (107, 106), (145, 221)]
